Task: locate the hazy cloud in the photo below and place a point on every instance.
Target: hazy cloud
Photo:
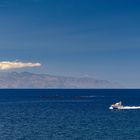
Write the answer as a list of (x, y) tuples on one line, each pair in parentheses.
[(6, 65)]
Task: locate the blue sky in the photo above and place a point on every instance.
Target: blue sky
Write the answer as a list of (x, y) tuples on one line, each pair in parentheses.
[(98, 38)]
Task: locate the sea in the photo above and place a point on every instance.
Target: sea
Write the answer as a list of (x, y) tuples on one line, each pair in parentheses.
[(68, 114)]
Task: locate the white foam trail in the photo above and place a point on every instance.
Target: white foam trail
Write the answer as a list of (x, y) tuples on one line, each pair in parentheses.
[(130, 107), (127, 107)]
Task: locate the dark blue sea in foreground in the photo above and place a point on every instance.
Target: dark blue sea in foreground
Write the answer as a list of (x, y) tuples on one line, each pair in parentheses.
[(68, 115)]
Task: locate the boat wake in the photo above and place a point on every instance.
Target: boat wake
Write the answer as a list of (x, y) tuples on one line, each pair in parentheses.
[(127, 107)]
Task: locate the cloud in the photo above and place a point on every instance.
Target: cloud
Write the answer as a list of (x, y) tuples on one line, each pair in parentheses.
[(6, 65)]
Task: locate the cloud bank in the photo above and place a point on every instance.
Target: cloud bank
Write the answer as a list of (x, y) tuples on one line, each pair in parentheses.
[(7, 65)]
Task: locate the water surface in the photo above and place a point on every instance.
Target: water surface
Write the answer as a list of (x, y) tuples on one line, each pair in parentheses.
[(68, 115)]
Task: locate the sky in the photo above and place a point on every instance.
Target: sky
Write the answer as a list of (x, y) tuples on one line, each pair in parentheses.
[(94, 38)]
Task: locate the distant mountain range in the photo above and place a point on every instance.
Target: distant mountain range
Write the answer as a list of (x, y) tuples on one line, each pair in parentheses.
[(31, 80)]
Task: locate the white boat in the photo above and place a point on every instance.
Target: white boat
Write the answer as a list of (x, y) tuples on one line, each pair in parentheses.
[(120, 106), (116, 106)]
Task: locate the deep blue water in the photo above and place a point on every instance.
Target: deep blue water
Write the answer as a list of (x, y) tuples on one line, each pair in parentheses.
[(68, 115)]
